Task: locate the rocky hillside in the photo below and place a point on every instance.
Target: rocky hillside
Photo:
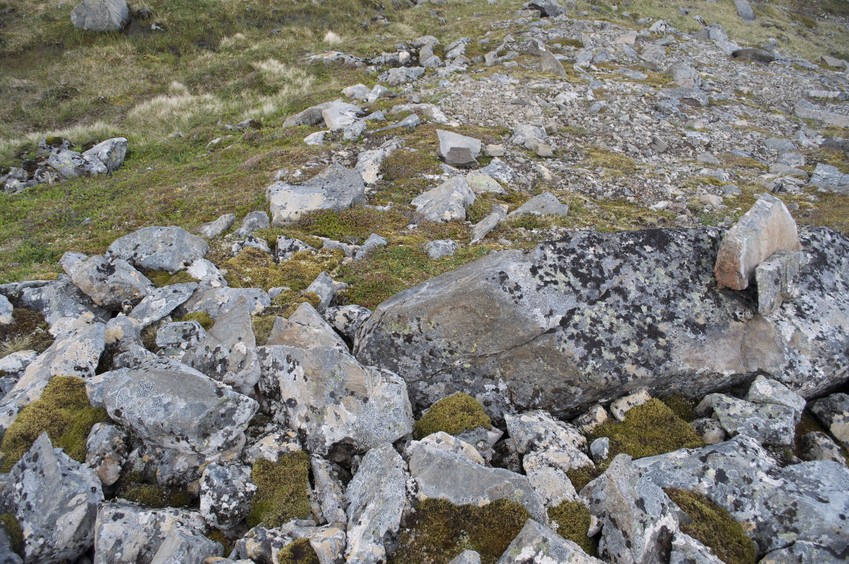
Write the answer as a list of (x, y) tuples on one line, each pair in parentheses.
[(446, 282)]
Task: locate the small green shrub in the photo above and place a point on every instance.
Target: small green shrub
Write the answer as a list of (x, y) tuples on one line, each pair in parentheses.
[(439, 531), (572, 520), (714, 527), (455, 414), (282, 490), (63, 412)]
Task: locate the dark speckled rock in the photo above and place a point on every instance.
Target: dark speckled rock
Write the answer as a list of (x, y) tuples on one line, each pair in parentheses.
[(597, 315)]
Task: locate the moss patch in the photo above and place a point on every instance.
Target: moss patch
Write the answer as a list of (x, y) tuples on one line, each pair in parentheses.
[(683, 407), (648, 429), (298, 552), (583, 475), (572, 520), (253, 268), (439, 531), (455, 414), (153, 495), (162, 278), (201, 317), (282, 490), (63, 412), (16, 535), (28, 331), (714, 527)]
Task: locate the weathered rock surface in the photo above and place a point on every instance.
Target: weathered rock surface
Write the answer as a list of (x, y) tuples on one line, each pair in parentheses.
[(159, 248), (828, 178), (447, 202), (101, 15), (110, 152), (106, 452), (766, 228), (777, 506), (59, 301), (833, 411), (537, 543), (376, 500), (218, 226), (595, 312), (263, 545), (226, 492), (544, 204), (55, 500), (179, 409), (458, 150), (335, 188), (218, 301), (160, 302), (109, 283)]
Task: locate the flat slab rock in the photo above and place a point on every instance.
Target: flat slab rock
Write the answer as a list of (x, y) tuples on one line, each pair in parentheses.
[(159, 248), (596, 315)]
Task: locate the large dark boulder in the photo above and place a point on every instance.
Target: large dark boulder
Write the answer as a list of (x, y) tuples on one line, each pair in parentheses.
[(596, 315)]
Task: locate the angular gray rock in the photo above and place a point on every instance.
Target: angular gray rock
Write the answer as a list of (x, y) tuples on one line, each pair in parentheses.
[(638, 519), (458, 150), (254, 221), (805, 109), (217, 227), (110, 152), (217, 301), (687, 550), (776, 278), (744, 10), (178, 409), (770, 424), (544, 204), (126, 532), (573, 311), (329, 397), (263, 545), (228, 351), (819, 446), (325, 288), (447, 202), (471, 482), (775, 505), (829, 179), (401, 75), (376, 500), (335, 188), (75, 352), (482, 228), (59, 301), (160, 302), (70, 164), (226, 492), (328, 493), (206, 273), (174, 339), (373, 242), (306, 329), (55, 500), (347, 320), (159, 248), (106, 452), (766, 228), (109, 283), (467, 557), (547, 8), (6, 311), (287, 246), (482, 183), (440, 248), (537, 543), (833, 412), (101, 15), (184, 545)]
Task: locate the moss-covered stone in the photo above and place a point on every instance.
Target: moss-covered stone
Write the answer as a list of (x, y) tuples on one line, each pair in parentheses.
[(648, 429), (439, 531), (16, 535), (683, 407), (28, 331), (453, 415), (282, 490), (201, 317), (583, 475), (63, 412), (298, 552), (153, 495), (162, 278), (571, 520), (714, 527)]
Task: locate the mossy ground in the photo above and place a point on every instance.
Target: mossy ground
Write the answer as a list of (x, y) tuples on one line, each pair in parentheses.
[(298, 552), (714, 527), (63, 412), (453, 415), (648, 429), (203, 318), (572, 521), (438, 531), (28, 331), (282, 490), (16, 535), (133, 486), (162, 278)]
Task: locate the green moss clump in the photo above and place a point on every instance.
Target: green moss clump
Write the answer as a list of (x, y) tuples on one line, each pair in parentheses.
[(407, 163), (201, 317), (648, 429), (28, 331), (455, 414), (298, 552), (573, 521), (583, 475), (253, 268), (16, 535), (282, 490), (162, 278), (714, 527), (154, 495), (63, 412), (683, 407), (439, 531)]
